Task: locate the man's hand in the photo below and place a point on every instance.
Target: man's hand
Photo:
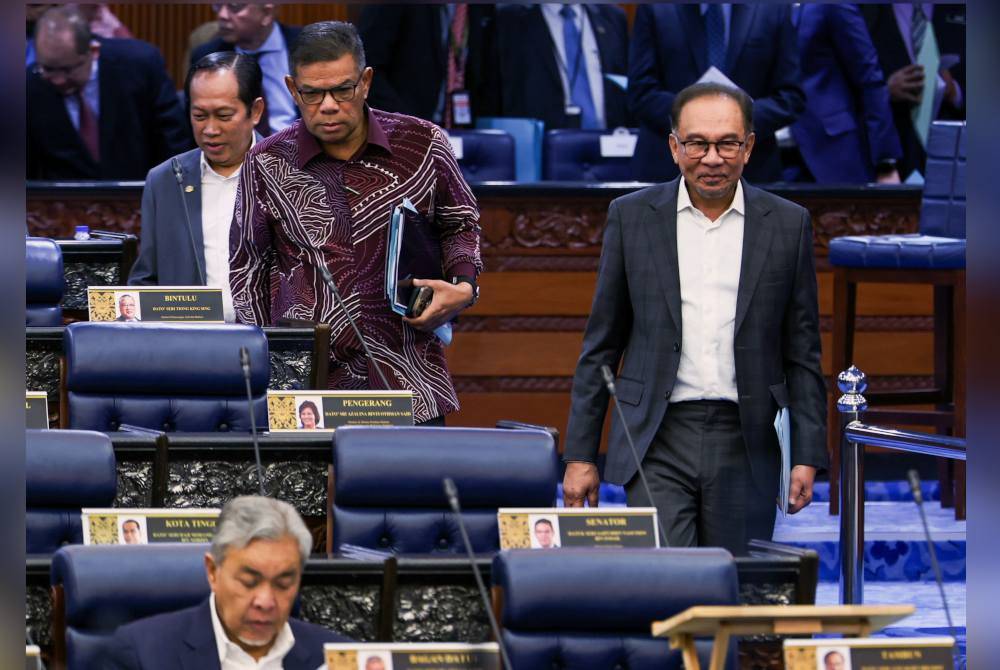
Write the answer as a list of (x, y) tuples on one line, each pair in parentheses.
[(800, 491), (907, 84), (448, 300), (581, 483)]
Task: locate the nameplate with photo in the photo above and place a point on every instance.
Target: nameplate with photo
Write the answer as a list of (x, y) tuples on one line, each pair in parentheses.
[(148, 526), (412, 656), (36, 408), (156, 304), (555, 527), (328, 410), (865, 653)]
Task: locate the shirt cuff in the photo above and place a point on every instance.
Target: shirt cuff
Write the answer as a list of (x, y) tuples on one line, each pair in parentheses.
[(461, 270)]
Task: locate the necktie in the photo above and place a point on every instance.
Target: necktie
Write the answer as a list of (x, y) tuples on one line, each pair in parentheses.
[(918, 29), (264, 125), (715, 32), (576, 70), (458, 36), (89, 132)]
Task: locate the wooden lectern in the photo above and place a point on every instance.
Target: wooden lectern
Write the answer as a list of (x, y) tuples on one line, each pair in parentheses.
[(723, 622)]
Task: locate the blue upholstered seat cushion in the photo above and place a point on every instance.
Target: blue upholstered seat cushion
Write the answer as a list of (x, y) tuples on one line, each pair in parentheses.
[(487, 155), (43, 274), (898, 251), (575, 155)]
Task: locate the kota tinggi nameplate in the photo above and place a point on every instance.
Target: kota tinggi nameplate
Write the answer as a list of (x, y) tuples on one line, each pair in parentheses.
[(36, 408), (555, 527), (886, 653), (412, 656), (328, 410), (155, 304), (148, 526)]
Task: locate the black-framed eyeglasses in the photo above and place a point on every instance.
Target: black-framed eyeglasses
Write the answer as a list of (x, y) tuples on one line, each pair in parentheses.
[(342, 93), (50, 71), (699, 148), (233, 7)]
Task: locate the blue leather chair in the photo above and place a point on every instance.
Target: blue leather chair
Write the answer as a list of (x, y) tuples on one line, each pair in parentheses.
[(389, 494), (593, 608), (935, 255), (65, 471), (575, 155), (170, 377), (98, 588), (487, 155), (527, 134), (44, 285)]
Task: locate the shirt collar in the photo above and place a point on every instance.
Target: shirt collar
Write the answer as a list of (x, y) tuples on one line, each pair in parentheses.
[(309, 147), (275, 42), (207, 169), (737, 205), (283, 643)]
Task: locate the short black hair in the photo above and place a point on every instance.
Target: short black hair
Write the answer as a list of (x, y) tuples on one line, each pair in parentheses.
[(327, 41), (249, 78), (695, 91), (545, 521), (309, 404), (66, 17)]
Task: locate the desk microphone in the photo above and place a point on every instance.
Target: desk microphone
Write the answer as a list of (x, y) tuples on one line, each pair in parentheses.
[(451, 492), (609, 381), (179, 176), (328, 280), (245, 364)]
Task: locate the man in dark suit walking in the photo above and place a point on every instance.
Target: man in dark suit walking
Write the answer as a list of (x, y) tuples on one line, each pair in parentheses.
[(706, 297)]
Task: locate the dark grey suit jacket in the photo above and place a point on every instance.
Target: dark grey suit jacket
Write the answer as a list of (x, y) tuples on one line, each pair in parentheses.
[(636, 320)]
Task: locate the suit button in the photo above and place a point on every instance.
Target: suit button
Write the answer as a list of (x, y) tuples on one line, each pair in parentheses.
[(677, 346)]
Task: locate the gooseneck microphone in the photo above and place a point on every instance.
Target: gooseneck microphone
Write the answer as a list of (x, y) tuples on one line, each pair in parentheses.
[(179, 176), (609, 382), (451, 492), (245, 364), (328, 280), (918, 498)]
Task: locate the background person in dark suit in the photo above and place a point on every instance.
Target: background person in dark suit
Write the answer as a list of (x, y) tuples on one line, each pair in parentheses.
[(537, 78), (672, 47), (706, 297), (98, 109), (254, 569)]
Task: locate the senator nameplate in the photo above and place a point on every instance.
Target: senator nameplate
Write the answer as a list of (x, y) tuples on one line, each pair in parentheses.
[(148, 526), (329, 410), (883, 653), (555, 527), (36, 408), (412, 656), (155, 304)]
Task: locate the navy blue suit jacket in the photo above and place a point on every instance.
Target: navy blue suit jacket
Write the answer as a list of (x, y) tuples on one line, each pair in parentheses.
[(185, 640), (668, 53), (847, 127), (290, 33), (141, 120)]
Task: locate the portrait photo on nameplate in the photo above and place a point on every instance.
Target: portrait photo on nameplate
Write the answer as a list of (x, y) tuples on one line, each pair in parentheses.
[(148, 525), (870, 653), (157, 304), (555, 527), (36, 408), (293, 411), (411, 656)]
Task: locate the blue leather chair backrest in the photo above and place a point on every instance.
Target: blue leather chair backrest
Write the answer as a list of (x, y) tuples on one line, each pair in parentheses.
[(527, 134), (170, 377), (575, 155), (487, 155), (106, 586), (65, 471), (943, 210), (43, 273), (593, 608), (388, 484)]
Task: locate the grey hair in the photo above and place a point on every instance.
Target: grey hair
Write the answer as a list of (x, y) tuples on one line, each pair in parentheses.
[(248, 518), (66, 18)]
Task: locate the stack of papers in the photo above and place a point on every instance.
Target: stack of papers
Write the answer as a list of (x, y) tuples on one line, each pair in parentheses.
[(783, 428)]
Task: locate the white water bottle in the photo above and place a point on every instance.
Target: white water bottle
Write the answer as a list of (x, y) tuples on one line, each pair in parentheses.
[(82, 233)]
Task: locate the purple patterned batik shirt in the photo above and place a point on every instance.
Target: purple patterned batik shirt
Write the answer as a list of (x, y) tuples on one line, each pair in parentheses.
[(296, 208)]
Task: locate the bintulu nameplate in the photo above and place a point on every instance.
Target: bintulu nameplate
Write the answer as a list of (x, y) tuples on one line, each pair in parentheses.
[(36, 408), (328, 410), (870, 653), (412, 656), (158, 304), (147, 526), (555, 527)]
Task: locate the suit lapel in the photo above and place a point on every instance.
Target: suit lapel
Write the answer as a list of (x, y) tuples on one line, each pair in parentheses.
[(549, 57), (694, 29), (191, 164), (600, 34), (660, 223), (757, 234), (107, 78), (739, 28), (199, 651)]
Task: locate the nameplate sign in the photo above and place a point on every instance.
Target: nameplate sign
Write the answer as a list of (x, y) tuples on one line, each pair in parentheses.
[(157, 304), (884, 653), (619, 144), (33, 656), (555, 527), (412, 656), (36, 408), (329, 410), (148, 526)]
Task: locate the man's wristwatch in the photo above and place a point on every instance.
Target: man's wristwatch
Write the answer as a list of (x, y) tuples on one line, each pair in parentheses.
[(471, 281)]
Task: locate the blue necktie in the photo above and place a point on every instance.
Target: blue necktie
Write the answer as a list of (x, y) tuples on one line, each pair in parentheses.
[(715, 31), (576, 70)]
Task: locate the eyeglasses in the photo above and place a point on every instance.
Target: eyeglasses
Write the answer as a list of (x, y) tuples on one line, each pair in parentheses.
[(233, 7), (699, 148), (64, 70), (342, 93)]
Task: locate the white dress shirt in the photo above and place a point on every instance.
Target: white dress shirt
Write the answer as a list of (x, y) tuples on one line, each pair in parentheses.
[(91, 93), (232, 657), (709, 254), (591, 54)]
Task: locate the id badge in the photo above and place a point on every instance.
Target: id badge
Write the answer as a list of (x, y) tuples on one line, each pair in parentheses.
[(461, 108)]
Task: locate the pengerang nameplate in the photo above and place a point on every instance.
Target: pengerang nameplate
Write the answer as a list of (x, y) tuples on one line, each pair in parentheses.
[(328, 410), (871, 653), (555, 527), (36, 407), (157, 304), (412, 656), (147, 526)]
